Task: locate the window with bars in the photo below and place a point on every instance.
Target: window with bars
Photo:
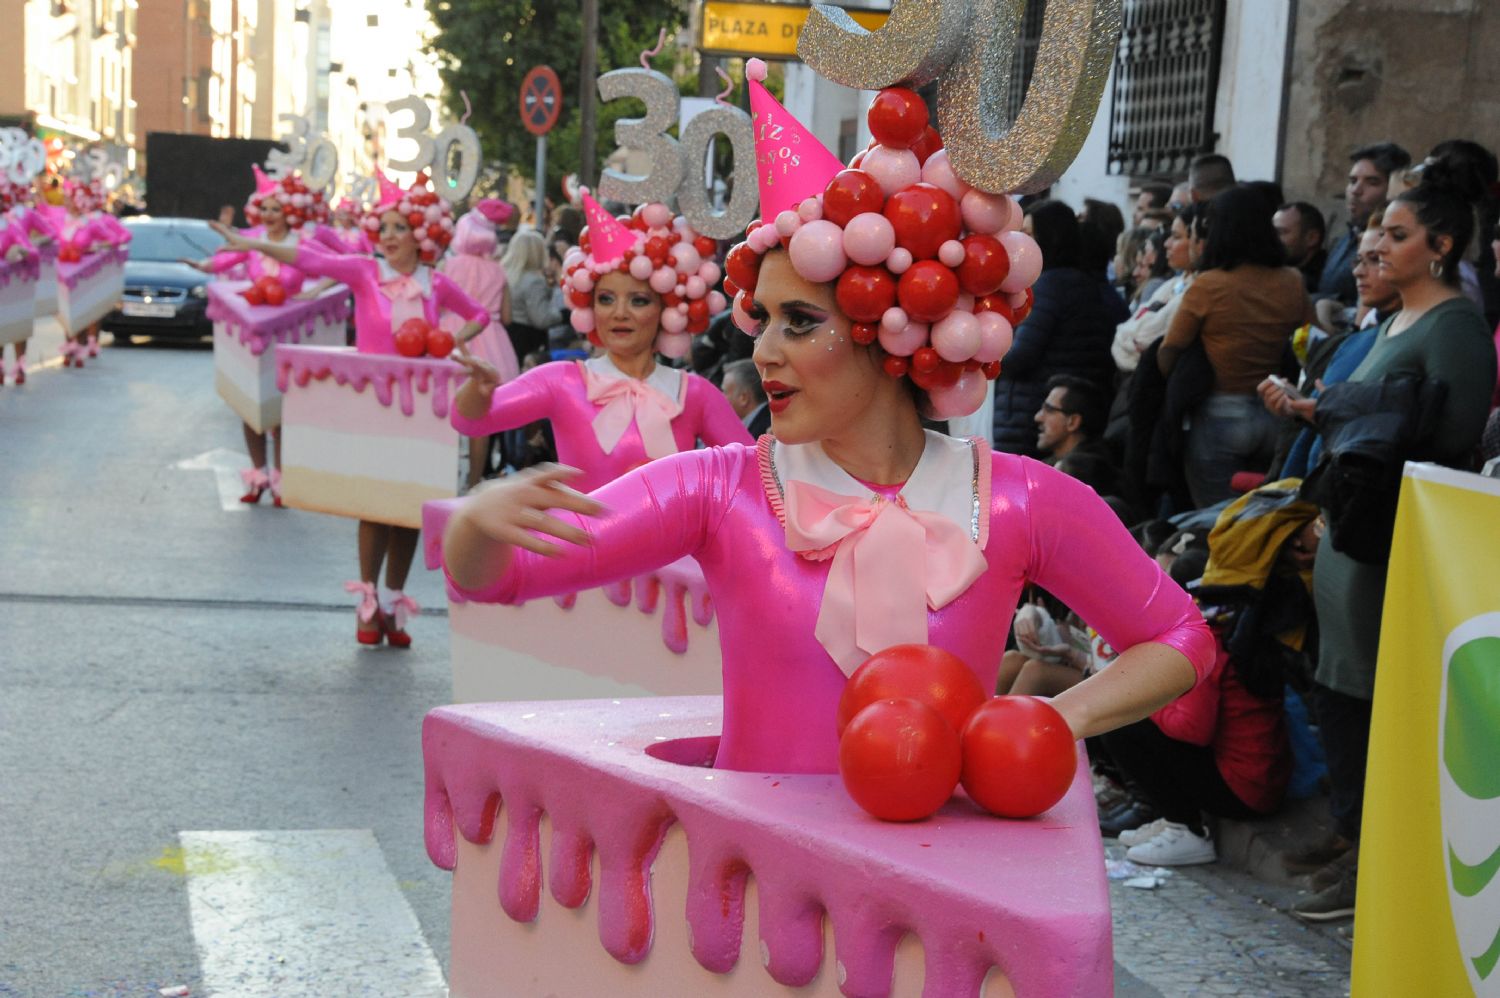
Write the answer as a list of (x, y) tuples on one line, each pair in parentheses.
[(1024, 60), (1166, 77)]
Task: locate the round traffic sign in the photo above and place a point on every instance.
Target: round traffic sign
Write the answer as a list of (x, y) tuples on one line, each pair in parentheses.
[(541, 100)]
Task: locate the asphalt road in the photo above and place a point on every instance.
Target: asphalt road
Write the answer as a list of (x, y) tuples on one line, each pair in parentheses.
[(170, 666)]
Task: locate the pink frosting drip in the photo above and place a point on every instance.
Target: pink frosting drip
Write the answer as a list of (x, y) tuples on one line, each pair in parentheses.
[(70, 274), (1027, 896), (258, 326), (392, 376), (27, 270), (682, 581)]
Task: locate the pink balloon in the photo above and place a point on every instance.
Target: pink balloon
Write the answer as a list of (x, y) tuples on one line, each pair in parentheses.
[(434, 213), (657, 215), (894, 319), (582, 281), (956, 336), (582, 320), (673, 321), (1017, 215), (740, 317), (951, 253), (959, 399), (893, 169), (673, 344), (787, 223), (1017, 300), (709, 272), (995, 335), (663, 280), (679, 289), (428, 246), (685, 258), (904, 342), (640, 268), (985, 213), (695, 287), (810, 210), (817, 251), (869, 238), (717, 302), (1025, 261), (899, 262), (938, 171)]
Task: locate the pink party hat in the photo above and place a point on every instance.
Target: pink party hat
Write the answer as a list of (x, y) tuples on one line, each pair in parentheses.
[(791, 164), (608, 238), (263, 183), (390, 192)]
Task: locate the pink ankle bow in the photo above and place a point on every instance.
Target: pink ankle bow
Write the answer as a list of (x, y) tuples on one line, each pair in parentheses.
[(890, 564), (626, 399), (369, 605), (402, 608)]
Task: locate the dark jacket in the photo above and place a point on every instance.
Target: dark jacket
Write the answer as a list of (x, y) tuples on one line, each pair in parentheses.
[(1069, 331)]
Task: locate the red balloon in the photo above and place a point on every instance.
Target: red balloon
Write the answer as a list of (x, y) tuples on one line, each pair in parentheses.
[(985, 266), (742, 265), (730, 289), (411, 338), (698, 312), (657, 248), (927, 291), (264, 283), (1019, 756), (253, 294), (275, 293), (581, 299), (1020, 314), (894, 366), (850, 193), (997, 303), (864, 333), (439, 343), (924, 218), (926, 360), (929, 143), (415, 220), (864, 293), (937, 677), (899, 759), (706, 247), (991, 370), (897, 117), (434, 231)]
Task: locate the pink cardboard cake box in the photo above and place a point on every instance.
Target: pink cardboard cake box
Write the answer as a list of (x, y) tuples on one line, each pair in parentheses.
[(88, 290), (366, 435), (46, 284), (594, 853), (245, 337), (18, 284), (655, 635)]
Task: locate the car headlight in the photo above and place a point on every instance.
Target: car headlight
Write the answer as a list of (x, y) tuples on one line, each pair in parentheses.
[(199, 291)]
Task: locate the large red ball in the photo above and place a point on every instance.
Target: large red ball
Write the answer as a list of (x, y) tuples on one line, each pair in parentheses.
[(937, 677), (924, 218), (929, 143), (411, 338), (897, 117), (864, 293), (985, 266), (252, 294), (997, 303), (707, 248), (742, 265), (275, 293), (415, 219), (439, 343), (1019, 756), (850, 193), (899, 759), (927, 291), (1019, 314)]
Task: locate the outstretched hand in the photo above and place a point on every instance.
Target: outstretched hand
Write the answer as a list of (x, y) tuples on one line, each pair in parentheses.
[(482, 374), (514, 510), (233, 239)]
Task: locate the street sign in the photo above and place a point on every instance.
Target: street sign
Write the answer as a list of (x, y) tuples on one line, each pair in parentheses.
[(767, 30), (541, 100)]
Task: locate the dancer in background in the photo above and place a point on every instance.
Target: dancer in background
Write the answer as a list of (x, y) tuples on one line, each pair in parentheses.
[(23, 230), (83, 228)]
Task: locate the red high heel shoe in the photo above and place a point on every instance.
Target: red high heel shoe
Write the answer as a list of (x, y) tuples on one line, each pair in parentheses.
[(256, 483), (376, 634), (276, 487), (369, 628), (394, 621)]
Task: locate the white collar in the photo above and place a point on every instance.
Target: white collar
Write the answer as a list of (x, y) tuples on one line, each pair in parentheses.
[(667, 380), (950, 478), (422, 275)]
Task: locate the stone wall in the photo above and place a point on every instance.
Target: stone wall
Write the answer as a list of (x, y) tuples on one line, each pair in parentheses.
[(1410, 71)]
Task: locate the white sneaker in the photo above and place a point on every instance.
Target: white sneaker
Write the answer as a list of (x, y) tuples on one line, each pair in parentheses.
[(1135, 836), (1174, 845)]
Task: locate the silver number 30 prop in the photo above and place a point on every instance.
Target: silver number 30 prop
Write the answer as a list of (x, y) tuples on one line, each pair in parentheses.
[(434, 153), (22, 156), (318, 159), (968, 47), (677, 168)]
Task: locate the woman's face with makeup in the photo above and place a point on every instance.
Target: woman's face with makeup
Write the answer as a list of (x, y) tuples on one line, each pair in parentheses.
[(818, 380)]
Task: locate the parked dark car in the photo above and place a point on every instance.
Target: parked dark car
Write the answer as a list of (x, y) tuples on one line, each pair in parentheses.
[(163, 296)]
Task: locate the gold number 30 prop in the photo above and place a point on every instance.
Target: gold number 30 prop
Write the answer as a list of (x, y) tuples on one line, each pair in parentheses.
[(968, 46)]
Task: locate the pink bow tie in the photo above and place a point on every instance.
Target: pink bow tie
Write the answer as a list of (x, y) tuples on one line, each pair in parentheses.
[(627, 399), (890, 564), (405, 294)]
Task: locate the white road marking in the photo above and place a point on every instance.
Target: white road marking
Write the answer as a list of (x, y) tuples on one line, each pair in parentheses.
[(278, 913), (226, 466)]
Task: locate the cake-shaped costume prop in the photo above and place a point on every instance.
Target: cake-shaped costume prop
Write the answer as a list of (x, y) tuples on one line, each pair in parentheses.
[(848, 532), (20, 272), (28, 257), (90, 264)]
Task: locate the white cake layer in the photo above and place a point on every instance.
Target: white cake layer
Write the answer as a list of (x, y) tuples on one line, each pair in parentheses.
[(247, 381), (17, 309), (559, 952), (90, 299), (541, 651), (46, 288), (367, 477)]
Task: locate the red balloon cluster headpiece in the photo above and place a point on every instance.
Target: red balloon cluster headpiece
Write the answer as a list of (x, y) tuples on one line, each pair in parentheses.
[(655, 247), (931, 269), (12, 194), (430, 217), (299, 204), (84, 196)]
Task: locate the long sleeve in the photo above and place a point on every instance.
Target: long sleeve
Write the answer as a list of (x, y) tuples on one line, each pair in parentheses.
[(227, 260), (1035, 333), (323, 236), (450, 298), (343, 267), (656, 514), (1144, 328), (1462, 356), (1187, 324), (1083, 555), (719, 424), (515, 403)]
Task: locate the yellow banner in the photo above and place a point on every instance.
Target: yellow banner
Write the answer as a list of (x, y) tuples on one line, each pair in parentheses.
[(1427, 916), (769, 30)]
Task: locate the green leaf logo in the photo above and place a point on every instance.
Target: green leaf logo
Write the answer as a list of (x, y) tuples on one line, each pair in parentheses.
[(1469, 780)]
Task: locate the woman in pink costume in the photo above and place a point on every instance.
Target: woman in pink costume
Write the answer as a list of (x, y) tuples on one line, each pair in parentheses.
[(84, 227), (473, 267), (853, 529), (283, 213), (388, 291), (21, 229), (636, 291)]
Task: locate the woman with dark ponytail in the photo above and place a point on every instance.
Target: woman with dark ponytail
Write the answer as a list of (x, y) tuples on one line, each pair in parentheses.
[(1438, 336)]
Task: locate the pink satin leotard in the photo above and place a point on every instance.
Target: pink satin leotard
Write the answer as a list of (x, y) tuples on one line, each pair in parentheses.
[(557, 391), (781, 688)]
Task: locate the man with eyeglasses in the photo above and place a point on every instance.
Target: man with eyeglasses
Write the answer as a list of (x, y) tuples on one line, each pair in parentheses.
[(1072, 416)]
